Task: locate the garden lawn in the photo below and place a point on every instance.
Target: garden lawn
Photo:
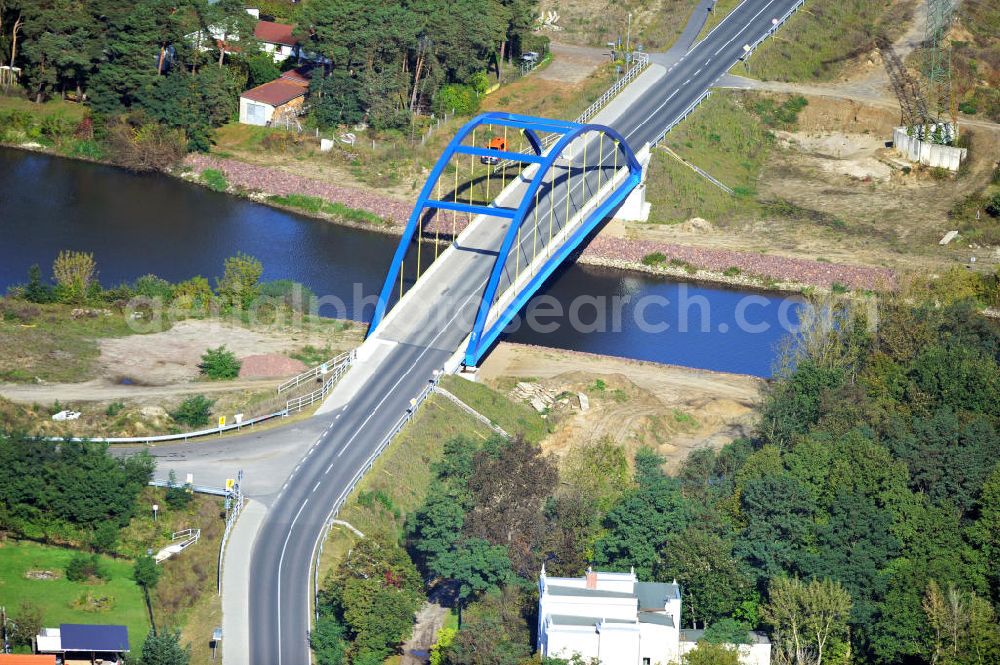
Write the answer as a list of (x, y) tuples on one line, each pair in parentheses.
[(59, 599)]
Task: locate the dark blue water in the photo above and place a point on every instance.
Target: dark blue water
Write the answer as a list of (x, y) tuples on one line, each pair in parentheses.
[(140, 224)]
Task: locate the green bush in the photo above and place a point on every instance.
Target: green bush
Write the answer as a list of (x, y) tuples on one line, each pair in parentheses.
[(262, 69), (654, 259), (293, 294), (178, 497), (780, 116), (731, 271), (105, 538), (480, 82), (215, 180), (193, 411), (462, 99), (114, 409), (993, 205), (87, 149), (83, 567), (727, 631), (151, 286), (219, 364), (968, 107)]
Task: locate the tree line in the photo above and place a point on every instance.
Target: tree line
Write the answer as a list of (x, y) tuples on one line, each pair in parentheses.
[(68, 492), (74, 281), (388, 59), (156, 80), (860, 523)]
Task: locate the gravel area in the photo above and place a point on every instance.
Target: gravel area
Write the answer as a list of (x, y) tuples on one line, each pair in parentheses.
[(276, 181), (621, 251), (270, 365), (613, 252)]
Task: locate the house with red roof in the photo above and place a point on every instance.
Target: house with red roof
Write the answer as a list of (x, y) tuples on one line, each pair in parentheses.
[(276, 102), (277, 39)]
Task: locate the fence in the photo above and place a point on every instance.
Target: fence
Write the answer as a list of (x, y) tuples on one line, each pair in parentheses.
[(777, 23), (234, 505), (344, 363), (405, 418), (184, 436), (641, 62), (332, 365), (699, 171), (676, 121)]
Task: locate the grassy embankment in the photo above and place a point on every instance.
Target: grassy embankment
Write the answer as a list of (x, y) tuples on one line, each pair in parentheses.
[(51, 125), (730, 138), (184, 598), (398, 482), (48, 343), (819, 39), (975, 58)]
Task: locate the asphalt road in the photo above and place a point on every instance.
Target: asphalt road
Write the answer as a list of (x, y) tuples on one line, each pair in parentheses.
[(415, 342)]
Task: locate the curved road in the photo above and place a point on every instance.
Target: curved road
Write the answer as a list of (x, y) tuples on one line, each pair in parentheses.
[(409, 347)]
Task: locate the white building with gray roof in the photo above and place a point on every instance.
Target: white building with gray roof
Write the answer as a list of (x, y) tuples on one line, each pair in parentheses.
[(618, 620)]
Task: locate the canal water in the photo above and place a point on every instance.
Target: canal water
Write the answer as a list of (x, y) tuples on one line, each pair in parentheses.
[(141, 224)]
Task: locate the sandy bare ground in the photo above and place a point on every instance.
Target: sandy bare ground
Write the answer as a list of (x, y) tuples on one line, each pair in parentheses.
[(642, 404), (572, 64), (836, 164), (165, 364)]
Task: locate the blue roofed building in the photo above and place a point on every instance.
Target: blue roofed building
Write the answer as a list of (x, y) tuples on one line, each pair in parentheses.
[(84, 643)]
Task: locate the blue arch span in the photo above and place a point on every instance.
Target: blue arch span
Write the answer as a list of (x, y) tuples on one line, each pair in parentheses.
[(482, 337)]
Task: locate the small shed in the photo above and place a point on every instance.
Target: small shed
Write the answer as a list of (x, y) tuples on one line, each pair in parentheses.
[(275, 101)]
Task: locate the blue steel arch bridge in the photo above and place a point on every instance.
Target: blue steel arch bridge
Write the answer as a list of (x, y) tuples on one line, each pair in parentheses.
[(521, 191)]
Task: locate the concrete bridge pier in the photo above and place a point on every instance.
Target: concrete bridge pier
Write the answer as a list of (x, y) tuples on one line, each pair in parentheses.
[(636, 207)]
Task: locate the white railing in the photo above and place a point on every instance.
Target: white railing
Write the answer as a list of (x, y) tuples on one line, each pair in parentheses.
[(331, 365), (472, 412), (197, 489), (188, 537), (641, 61), (335, 373), (366, 467), (682, 116), (234, 505), (774, 26), (184, 436)]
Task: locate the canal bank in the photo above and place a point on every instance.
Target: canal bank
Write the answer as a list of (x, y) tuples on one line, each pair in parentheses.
[(263, 185), (733, 268), (139, 224)]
